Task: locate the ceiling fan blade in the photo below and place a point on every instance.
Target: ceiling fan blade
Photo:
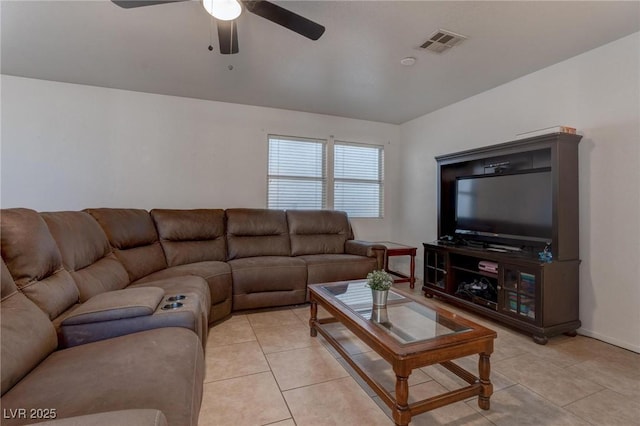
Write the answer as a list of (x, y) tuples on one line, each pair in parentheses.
[(228, 37), (286, 18), (129, 4)]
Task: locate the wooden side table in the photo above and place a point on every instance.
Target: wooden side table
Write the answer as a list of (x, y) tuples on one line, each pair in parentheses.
[(397, 249)]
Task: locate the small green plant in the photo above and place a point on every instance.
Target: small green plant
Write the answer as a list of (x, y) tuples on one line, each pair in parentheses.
[(379, 280)]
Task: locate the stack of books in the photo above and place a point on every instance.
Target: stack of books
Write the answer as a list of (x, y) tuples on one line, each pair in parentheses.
[(527, 283)]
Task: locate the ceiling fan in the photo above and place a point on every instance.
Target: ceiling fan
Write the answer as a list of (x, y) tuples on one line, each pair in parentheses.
[(226, 11)]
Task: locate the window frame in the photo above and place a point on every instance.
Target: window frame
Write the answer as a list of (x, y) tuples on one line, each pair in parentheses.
[(328, 180)]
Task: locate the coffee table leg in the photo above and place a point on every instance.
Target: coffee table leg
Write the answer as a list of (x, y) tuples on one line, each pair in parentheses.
[(313, 319), (401, 412), (484, 370)]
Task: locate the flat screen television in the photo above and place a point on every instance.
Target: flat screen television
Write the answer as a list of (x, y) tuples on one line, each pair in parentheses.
[(505, 206)]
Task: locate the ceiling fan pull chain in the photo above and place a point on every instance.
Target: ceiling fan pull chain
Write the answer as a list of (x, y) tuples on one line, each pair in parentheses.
[(233, 28), (211, 34)]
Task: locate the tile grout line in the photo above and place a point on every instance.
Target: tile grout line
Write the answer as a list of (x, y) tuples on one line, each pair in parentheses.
[(482, 412), (272, 375), (318, 383), (578, 415), (242, 375), (282, 395), (557, 405)]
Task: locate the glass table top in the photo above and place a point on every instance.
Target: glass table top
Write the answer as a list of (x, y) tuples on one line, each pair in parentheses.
[(403, 319)]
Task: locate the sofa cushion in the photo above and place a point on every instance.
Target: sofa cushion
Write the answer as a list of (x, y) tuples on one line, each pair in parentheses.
[(189, 236), (324, 268), (257, 232), (132, 234), (216, 274), (268, 281), (161, 369), (27, 334), (86, 253), (34, 261), (106, 274), (318, 231)]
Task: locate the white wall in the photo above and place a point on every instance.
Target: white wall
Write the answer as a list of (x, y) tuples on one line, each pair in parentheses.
[(597, 92), (68, 147)]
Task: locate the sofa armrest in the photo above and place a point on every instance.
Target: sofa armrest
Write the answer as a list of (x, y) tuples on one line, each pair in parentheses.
[(139, 417), (116, 305), (366, 248)]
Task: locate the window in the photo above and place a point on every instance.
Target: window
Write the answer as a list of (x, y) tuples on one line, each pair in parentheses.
[(298, 177), (297, 173), (358, 179)]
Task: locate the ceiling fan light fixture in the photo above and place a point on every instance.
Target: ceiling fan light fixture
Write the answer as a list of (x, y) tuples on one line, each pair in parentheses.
[(224, 10)]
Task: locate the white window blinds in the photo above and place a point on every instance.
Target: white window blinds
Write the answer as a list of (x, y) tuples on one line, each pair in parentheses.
[(297, 173), (358, 179)]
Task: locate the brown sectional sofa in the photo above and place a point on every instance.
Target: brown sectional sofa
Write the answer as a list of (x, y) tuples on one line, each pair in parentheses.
[(84, 324)]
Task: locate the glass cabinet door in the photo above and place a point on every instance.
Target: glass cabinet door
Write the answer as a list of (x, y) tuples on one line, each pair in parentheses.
[(519, 292), (435, 269)]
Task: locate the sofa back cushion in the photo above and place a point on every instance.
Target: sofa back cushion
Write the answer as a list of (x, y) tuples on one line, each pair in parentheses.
[(86, 253), (190, 236), (318, 231), (34, 261), (257, 232), (133, 236), (27, 334)]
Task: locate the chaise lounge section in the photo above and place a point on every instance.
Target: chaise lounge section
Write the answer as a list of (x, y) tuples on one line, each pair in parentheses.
[(121, 373)]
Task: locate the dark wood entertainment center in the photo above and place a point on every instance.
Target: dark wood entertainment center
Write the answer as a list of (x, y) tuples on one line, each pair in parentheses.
[(537, 297)]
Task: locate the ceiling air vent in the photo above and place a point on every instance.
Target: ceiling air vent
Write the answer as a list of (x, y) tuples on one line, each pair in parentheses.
[(442, 40)]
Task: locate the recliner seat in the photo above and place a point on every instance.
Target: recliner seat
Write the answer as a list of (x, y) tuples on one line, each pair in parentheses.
[(259, 252), (323, 239)]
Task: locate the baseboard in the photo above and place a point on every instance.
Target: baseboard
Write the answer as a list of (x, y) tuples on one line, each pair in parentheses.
[(610, 340)]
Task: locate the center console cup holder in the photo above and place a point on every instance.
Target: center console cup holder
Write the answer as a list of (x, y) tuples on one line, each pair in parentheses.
[(174, 305), (176, 298)]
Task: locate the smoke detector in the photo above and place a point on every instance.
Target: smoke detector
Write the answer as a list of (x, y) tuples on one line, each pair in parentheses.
[(408, 61), (442, 40)]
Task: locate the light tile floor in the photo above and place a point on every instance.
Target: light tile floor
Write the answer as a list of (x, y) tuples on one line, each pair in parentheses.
[(264, 369)]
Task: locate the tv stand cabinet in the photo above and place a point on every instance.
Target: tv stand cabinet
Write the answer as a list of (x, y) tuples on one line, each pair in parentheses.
[(536, 297)]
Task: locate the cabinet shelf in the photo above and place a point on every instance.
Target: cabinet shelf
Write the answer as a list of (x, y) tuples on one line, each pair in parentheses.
[(477, 272), (522, 293)]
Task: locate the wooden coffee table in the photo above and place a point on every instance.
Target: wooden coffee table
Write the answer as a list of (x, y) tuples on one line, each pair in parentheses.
[(408, 335)]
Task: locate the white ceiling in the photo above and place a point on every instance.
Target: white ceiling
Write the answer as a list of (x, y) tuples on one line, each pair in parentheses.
[(352, 71)]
